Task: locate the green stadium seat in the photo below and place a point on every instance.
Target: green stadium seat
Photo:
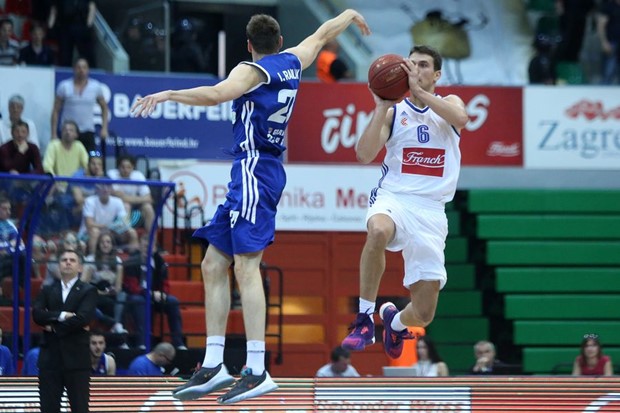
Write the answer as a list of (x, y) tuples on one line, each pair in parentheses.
[(548, 226), (456, 250), (556, 280), (564, 332), (543, 360), (460, 277), (588, 253), (566, 201), (459, 303), (562, 306), (454, 223), (455, 330), (458, 357), (541, 5), (569, 73)]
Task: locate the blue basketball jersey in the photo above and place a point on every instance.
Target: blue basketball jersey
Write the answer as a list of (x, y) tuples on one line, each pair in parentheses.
[(245, 223), (261, 115)]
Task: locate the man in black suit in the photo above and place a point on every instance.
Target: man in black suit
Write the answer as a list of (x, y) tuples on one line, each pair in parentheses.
[(65, 310)]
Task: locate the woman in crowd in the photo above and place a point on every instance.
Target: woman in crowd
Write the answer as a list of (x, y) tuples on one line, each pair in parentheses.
[(104, 269), (429, 363), (591, 361)]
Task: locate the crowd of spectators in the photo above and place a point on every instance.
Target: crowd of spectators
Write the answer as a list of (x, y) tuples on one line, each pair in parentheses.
[(560, 36)]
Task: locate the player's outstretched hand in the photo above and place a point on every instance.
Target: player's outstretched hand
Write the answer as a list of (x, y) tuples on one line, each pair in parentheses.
[(360, 22), (146, 105)]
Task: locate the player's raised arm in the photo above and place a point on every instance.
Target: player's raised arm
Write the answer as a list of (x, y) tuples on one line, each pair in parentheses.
[(241, 79), (309, 48)]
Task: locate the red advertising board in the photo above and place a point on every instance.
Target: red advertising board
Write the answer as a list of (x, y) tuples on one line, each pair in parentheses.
[(329, 119)]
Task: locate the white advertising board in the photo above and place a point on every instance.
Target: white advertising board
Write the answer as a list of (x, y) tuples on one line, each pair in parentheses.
[(571, 127), (316, 197)]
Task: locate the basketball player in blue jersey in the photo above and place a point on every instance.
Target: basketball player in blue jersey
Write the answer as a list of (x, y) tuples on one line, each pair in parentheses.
[(101, 364), (263, 93), (406, 212)]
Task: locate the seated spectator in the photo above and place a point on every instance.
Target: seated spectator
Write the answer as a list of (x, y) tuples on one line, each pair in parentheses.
[(37, 53), (8, 242), (591, 361), (102, 364), (19, 156), (16, 109), (104, 269), (93, 170), (486, 363), (152, 364), (64, 156), (429, 363), (7, 367), (9, 48), (31, 360), (340, 365), (135, 197), (104, 211), (134, 282)]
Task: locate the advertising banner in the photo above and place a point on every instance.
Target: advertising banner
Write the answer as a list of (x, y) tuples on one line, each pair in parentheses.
[(360, 394), (173, 130), (329, 120), (316, 198), (572, 127)]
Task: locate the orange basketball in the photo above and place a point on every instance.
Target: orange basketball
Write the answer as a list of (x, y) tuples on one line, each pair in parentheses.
[(387, 78)]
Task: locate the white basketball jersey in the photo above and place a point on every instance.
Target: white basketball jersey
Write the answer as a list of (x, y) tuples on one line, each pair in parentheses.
[(423, 156)]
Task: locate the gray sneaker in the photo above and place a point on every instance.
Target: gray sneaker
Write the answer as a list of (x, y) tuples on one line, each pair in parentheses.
[(204, 381), (248, 386)]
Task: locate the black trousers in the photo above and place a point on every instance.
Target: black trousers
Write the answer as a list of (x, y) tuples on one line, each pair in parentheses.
[(52, 383)]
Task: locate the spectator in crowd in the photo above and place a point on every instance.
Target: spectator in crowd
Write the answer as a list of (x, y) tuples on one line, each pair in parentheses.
[(187, 53), (134, 282), (31, 361), (104, 269), (101, 363), (76, 98), (8, 241), (9, 48), (591, 361), (572, 15), (64, 156), (486, 362), (104, 211), (73, 22), (541, 69), (7, 367), (135, 44), (340, 365), (81, 191), (329, 67), (153, 363), (16, 109), (19, 156), (429, 363), (608, 30), (136, 197), (37, 53), (65, 309)]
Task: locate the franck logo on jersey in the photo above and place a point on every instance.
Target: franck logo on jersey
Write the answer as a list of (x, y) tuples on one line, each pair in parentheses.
[(582, 133), (423, 161)]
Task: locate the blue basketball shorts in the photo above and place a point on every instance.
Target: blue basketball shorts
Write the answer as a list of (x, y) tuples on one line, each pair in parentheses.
[(246, 222)]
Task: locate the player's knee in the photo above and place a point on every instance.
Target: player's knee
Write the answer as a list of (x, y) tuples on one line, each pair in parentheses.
[(425, 316), (379, 235)]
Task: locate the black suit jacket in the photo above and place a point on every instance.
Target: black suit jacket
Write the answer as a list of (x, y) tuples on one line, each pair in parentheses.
[(67, 346)]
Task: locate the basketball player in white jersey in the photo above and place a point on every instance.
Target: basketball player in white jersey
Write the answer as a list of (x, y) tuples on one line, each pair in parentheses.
[(406, 210), (263, 92)]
